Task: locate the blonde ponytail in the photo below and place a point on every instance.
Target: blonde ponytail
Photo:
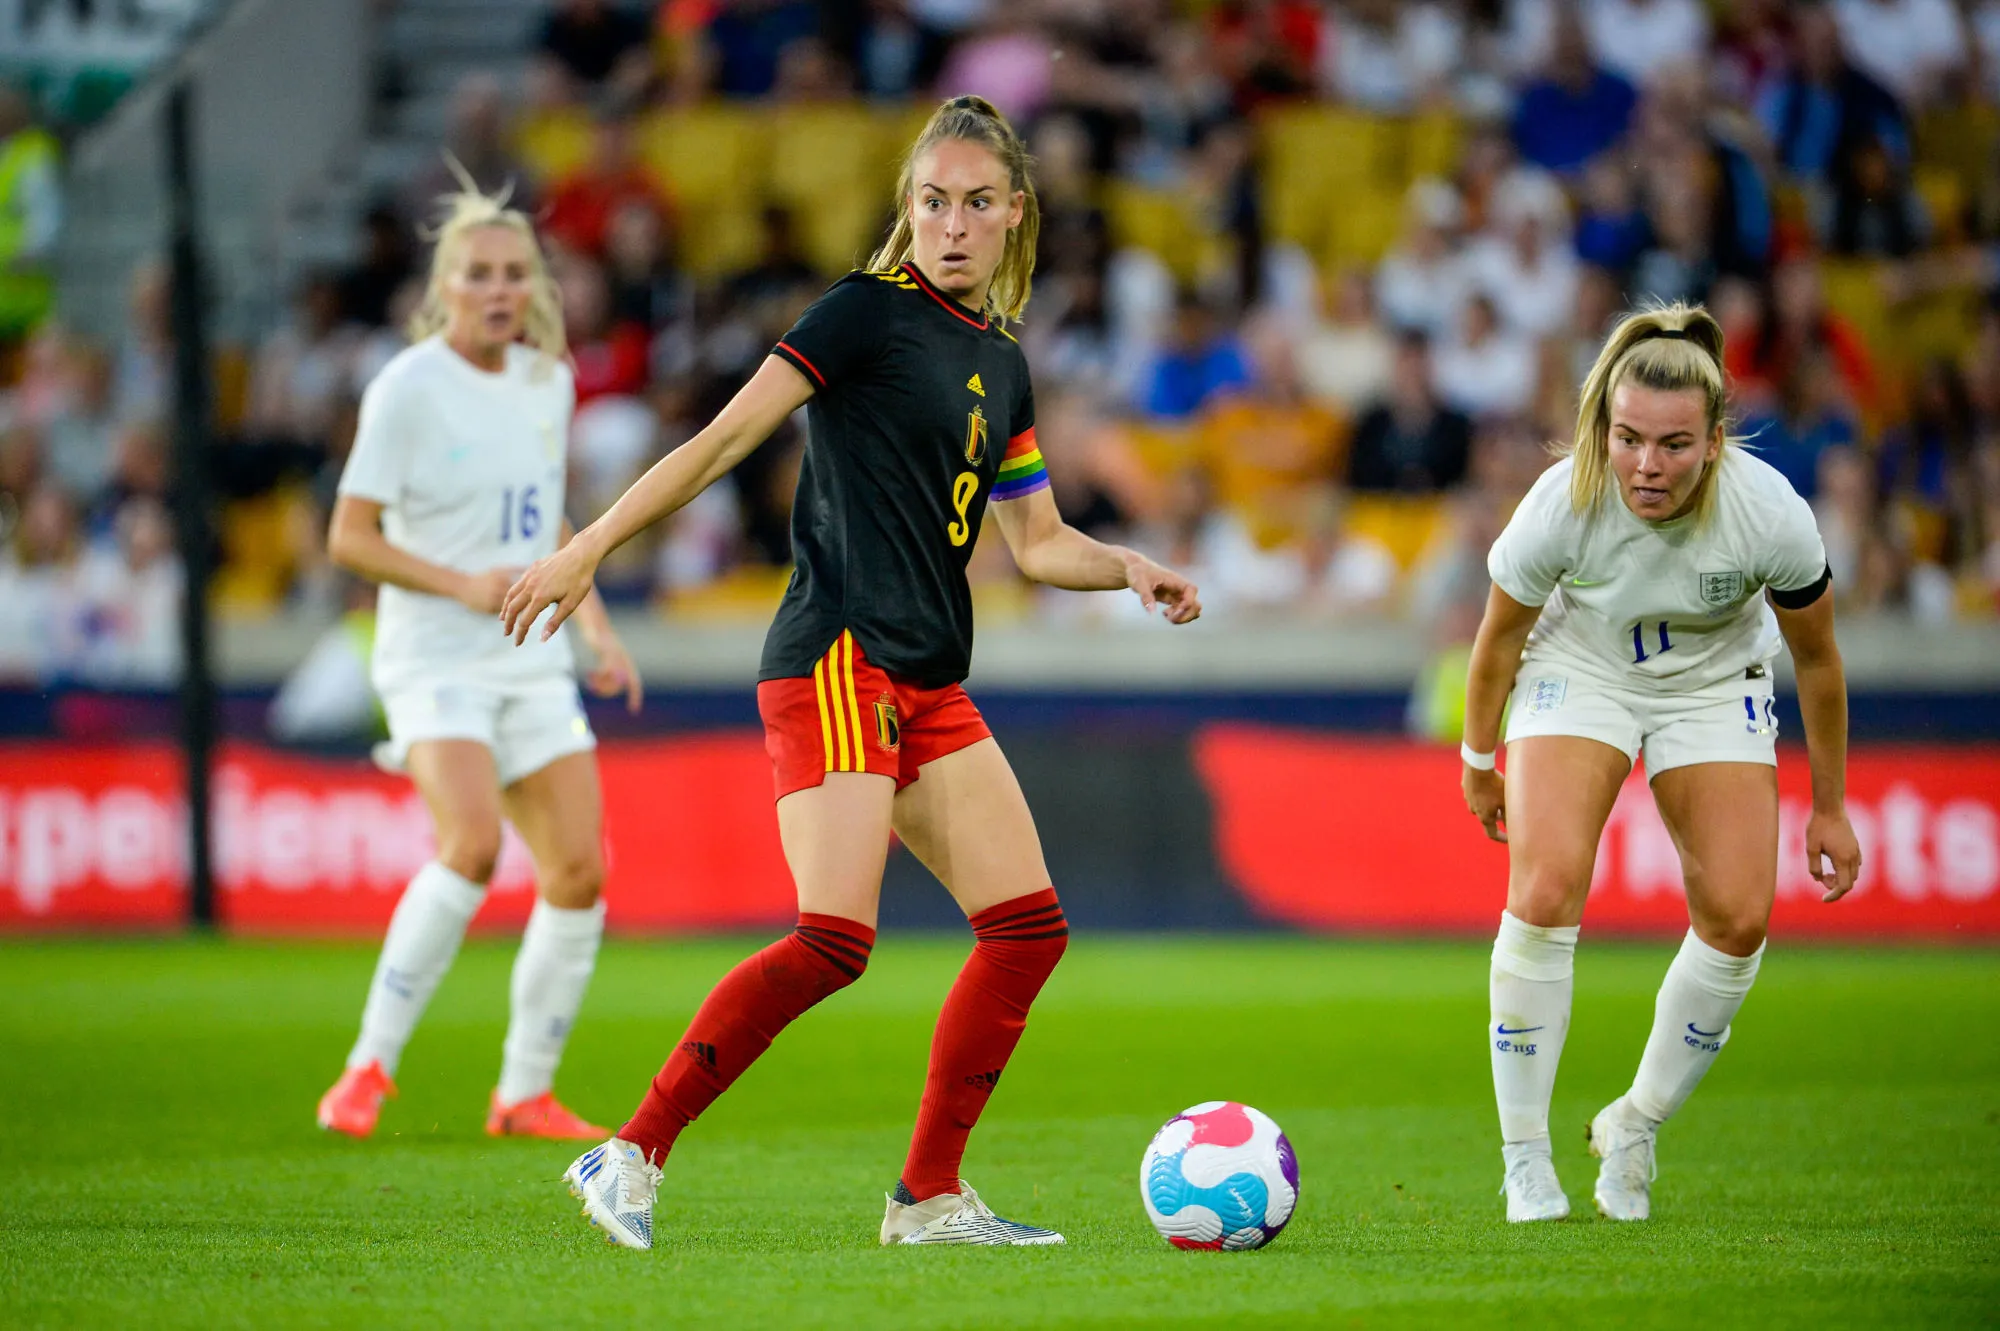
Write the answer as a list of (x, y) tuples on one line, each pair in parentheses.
[(975, 120), (1670, 348), (466, 210)]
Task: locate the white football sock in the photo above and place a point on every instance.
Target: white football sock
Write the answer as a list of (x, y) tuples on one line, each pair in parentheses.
[(1697, 1002), (1533, 972), (558, 953), (424, 935)]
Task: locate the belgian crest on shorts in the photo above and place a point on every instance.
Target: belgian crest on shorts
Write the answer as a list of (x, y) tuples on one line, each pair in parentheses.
[(975, 436), (887, 733), (1721, 588)]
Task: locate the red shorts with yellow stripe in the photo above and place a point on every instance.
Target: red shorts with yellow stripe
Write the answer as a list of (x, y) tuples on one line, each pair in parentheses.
[(853, 716)]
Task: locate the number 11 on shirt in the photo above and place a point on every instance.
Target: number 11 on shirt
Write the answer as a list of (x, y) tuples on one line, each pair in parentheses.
[(1639, 656)]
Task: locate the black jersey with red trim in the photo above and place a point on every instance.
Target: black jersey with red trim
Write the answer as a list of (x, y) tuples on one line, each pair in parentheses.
[(920, 413)]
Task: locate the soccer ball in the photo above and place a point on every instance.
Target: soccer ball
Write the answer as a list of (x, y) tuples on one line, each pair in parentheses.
[(1219, 1175)]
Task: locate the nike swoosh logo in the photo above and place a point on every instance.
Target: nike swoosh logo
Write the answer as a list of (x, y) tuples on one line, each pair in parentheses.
[(1706, 1035), (1588, 582), (1501, 1029)]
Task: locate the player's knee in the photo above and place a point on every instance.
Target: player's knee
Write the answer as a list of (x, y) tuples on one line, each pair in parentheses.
[(1030, 937), (573, 881), (470, 851), (1544, 895), (1738, 934)]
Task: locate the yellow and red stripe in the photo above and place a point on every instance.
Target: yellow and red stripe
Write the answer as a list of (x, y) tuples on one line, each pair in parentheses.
[(839, 709)]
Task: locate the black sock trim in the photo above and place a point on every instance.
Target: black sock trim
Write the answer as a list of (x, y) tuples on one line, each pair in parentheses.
[(1060, 931), (832, 958), (1053, 907), (904, 1197), (851, 948)]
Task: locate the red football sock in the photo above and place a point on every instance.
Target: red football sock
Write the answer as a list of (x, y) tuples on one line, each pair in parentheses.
[(739, 1019), (1018, 944)]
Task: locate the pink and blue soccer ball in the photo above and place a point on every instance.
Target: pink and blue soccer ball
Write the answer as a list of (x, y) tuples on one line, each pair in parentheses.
[(1219, 1175)]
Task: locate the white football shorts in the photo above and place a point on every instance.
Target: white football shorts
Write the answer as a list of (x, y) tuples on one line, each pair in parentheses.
[(526, 726), (1734, 721)]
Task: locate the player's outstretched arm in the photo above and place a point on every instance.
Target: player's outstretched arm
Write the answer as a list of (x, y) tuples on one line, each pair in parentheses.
[(1496, 657), (354, 541), (1822, 682), (564, 579), (1051, 551)]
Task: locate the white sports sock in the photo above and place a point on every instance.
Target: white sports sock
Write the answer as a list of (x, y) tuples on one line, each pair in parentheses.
[(424, 935), (1697, 1002), (1533, 972), (558, 953)]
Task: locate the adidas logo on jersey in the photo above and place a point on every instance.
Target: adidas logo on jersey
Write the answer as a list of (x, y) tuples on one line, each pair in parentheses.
[(977, 387)]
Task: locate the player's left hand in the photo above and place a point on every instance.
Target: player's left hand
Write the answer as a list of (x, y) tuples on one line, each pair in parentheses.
[(1829, 836), (614, 673), (1157, 585), (561, 580)]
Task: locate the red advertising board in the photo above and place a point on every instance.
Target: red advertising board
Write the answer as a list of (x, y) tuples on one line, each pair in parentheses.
[(1347, 833), (97, 836)]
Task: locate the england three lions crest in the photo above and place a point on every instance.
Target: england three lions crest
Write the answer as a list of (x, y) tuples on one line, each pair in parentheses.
[(1721, 588)]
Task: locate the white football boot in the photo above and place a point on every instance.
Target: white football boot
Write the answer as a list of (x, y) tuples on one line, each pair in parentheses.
[(958, 1217), (616, 1184), (1623, 1139), (1533, 1191)]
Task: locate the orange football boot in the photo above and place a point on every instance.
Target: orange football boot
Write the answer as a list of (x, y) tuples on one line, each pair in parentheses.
[(355, 1101), (541, 1116)]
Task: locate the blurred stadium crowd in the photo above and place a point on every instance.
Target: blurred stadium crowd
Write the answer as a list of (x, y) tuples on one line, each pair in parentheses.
[(1318, 279)]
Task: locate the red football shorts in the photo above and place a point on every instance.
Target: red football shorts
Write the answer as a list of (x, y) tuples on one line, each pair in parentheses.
[(853, 716)]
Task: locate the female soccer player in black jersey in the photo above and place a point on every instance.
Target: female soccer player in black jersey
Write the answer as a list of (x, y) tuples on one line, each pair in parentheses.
[(921, 412)]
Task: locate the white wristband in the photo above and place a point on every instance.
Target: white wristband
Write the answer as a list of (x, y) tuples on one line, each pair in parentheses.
[(1484, 762)]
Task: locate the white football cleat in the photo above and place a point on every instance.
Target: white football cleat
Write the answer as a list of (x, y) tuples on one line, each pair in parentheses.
[(958, 1217), (1622, 1138), (616, 1184), (1533, 1191)]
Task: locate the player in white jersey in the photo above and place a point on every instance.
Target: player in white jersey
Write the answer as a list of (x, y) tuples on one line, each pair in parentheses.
[(1640, 594), (455, 484)]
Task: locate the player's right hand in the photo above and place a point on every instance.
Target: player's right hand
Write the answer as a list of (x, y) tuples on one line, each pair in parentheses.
[(562, 580), (484, 592), (1486, 797)]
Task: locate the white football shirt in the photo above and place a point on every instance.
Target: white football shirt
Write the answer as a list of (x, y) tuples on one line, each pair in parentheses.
[(468, 467), (1662, 607)]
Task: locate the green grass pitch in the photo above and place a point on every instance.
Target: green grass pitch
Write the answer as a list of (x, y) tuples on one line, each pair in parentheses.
[(159, 1163)]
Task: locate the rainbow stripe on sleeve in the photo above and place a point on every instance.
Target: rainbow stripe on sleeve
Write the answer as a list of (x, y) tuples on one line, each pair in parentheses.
[(1021, 470)]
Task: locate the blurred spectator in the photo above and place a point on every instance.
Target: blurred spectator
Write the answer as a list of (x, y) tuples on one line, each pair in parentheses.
[(1636, 38), (1008, 62), (1201, 359), (597, 43), (1345, 359), (475, 137), (1824, 107), (1409, 440), (894, 54), (1270, 453), (1484, 368), (1526, 264), (1392, 57), (1612, 231), (30, 217), (1807, 418), (1575, 110), (609, 356), (781, 272), (1677, 264), (1928, 458), (1750, 49), (42, 615), (1265, 49), (747, 40), (1873, 211), (580, 206), (130, 592), (1908, 46), (144, 370), (645, 288), (1794, 324), (327, 696), (304, 370), (81, 437), (1422, 282), (387, 261)]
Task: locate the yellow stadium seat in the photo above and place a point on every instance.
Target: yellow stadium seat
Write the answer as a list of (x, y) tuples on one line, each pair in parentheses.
[(259, 558), (1404, 525), (833, 167), (554, 143), (1164, 450), (1163, 222), (749, 593), (712, 159), (1854, 291)]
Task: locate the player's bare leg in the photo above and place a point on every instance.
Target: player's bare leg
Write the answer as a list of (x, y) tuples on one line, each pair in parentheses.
[(967, 821), (559, 812), (1724, 821), (836, 840), (457, 781), (1560, 790)]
